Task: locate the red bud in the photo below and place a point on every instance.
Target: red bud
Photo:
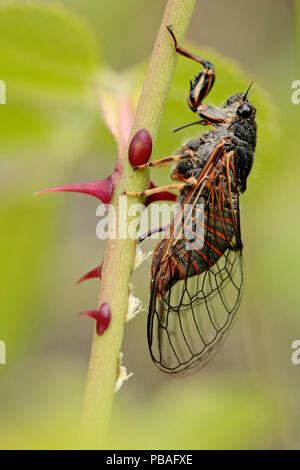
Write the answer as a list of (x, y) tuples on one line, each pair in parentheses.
[(140, 148)]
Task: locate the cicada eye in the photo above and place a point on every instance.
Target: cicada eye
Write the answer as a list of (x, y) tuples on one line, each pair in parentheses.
[(244, 110)]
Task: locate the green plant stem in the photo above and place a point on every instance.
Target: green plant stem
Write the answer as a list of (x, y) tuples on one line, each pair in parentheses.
[(120, 254)]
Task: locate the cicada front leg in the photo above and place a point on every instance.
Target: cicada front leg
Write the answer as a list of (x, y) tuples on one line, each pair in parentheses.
[(166, 161), (183, 160), (203, 82), (150, 192)]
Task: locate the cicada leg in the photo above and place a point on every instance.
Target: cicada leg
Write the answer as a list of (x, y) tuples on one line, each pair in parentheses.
[(203, 81), (177, 176), (166, 161), (151, 232), (150, 192)]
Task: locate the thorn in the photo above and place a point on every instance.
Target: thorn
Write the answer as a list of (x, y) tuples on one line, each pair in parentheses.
[(102, 189), (102, 317), (93, 274), (162, 196)]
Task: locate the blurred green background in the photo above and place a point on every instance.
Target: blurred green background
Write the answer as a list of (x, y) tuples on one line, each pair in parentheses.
[(51, 133)]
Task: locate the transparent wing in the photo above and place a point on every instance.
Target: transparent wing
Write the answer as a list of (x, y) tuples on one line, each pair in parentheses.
[(188, 322)]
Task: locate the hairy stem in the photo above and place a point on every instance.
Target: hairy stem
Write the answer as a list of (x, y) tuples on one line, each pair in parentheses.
[(120, 254)]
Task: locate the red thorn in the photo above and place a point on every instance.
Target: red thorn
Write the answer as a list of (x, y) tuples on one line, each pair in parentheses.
[(140, 148), (102, 189), (94, 273), (90, 313), (162, 196), (102, 317)]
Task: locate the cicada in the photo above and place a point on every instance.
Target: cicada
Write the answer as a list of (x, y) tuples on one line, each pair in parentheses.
[(197, 272)]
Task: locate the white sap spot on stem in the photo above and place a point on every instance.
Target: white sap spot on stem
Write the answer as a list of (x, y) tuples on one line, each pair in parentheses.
[(122, 375), (140, 257), (135, 307)]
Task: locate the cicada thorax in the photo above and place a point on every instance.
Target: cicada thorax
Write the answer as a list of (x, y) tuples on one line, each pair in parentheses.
[(195, 240)]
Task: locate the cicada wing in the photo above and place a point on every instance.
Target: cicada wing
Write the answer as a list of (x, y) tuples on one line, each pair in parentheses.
[(187, 323), (196, 288)]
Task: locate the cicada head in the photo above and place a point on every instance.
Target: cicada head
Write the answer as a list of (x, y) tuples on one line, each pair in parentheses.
[(242, 116), (240, 106)]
